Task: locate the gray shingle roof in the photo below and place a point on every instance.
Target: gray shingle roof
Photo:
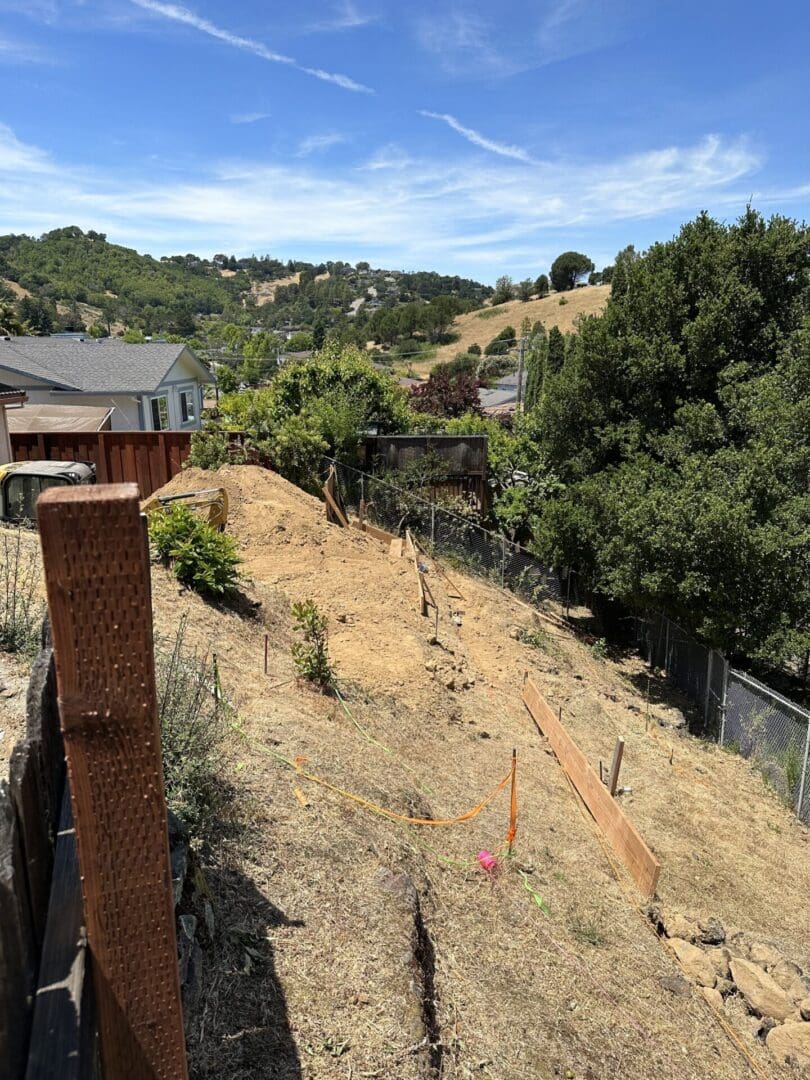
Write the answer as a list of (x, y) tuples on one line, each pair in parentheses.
[(105, 366)]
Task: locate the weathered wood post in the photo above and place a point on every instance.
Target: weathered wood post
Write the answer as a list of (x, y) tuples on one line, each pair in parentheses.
[(97, 577)]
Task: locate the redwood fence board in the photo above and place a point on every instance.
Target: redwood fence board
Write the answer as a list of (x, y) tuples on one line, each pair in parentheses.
[(146, 458), (101, 620), (620, 832)]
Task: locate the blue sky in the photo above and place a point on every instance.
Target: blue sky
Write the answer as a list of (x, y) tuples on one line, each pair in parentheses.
[(472, 138)]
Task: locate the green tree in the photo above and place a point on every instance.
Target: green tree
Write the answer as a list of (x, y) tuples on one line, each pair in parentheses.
[(679, 423), (541, 285), (525, 289), (568, 268), (555, 356), (504, 290)]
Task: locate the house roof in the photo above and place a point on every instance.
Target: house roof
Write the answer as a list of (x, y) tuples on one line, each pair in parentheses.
[(107, 366)]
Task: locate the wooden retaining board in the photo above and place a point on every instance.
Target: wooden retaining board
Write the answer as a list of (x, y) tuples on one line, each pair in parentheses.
[(619, 831)]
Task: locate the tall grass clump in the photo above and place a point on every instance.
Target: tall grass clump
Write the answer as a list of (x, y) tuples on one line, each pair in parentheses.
[(194, 723), (21, 607)]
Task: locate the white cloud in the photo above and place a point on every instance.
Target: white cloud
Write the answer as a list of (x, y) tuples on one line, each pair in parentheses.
[(315, 143), (248, 118), (477, 40), (347, 16), (441, 214), (22, 52), (184, 15), (477, 139)]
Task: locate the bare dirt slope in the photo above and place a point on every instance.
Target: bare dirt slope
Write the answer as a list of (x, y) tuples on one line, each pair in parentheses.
[(264, 292), (351, 945), (480, 327)]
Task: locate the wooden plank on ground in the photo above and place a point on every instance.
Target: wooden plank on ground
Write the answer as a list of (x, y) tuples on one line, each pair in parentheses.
[(619, 831), (62, 1032), (378, 534), (396, 548), (101, 621)]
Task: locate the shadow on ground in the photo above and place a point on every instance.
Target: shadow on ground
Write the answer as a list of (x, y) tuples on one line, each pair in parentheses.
[(240, 1027)]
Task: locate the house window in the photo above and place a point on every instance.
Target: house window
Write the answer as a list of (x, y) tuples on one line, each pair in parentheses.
[(160, 413), (188, 405)]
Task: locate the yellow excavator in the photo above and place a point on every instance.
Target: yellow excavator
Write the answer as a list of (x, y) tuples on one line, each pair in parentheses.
[(22, 482), (213, 500)]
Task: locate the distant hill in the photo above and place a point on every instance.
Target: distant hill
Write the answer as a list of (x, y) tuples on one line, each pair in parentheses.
[(73, 279), (481, 326)]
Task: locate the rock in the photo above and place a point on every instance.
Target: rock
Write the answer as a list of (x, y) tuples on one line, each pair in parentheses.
[(694, 961), (762, 995), (712, 996), (804, 1009), (712, 932), (786, 974), (725, 987), (790, 1042), (763, 955), (450, 683), (676, 984), (678, 926), (720, 960), (208, 915)]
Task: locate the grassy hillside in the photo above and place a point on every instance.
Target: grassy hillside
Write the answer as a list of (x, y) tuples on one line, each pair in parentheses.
[(480, 327)]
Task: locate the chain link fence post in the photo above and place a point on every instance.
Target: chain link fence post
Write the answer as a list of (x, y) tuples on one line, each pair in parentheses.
[(803, 781), (503, 560), (723, 703), (432, 526), (707, 695)]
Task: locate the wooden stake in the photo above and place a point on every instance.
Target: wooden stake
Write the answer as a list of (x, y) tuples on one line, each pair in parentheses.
[(97, 577), (266, 649), (615, 766)]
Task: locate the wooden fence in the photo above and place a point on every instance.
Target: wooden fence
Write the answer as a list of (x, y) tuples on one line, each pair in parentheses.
[(88, 951), (146, 458)]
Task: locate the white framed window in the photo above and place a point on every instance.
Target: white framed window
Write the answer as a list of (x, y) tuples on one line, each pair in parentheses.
[(160, 413), (188, 404)]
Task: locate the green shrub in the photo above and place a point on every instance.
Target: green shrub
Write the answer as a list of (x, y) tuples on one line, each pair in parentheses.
[(209, 450), (311, 655), (562, 301), (193, 726), (202, 558), (21, 609)]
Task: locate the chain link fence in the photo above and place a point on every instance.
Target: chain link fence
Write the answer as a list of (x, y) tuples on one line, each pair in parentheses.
[(742, 714), (455, 537)]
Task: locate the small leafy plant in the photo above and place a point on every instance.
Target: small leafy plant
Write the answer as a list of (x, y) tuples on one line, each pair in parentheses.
[(311, 654), (599, 649), (202, 558)]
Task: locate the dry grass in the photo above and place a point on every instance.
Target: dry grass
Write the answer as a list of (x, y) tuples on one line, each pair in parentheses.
[(335, 925), (264, 292), (517, 993), (472, 328)]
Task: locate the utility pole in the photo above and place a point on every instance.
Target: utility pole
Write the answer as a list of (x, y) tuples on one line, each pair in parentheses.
[(521, 361)]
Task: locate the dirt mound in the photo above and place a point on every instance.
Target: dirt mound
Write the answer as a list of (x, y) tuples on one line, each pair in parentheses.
[(382, 949)]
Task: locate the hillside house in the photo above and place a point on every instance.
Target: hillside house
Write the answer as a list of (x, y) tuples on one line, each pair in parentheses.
[(150, 387)]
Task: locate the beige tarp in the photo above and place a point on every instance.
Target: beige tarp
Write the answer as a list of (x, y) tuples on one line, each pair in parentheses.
[(41, 419)]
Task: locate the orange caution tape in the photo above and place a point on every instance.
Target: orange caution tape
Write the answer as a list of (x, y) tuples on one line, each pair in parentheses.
[(391, 814)]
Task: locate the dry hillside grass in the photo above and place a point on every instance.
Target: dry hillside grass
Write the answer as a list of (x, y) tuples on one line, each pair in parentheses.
[(346, 943), (264, 292), (372, 935), (480, 327)]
